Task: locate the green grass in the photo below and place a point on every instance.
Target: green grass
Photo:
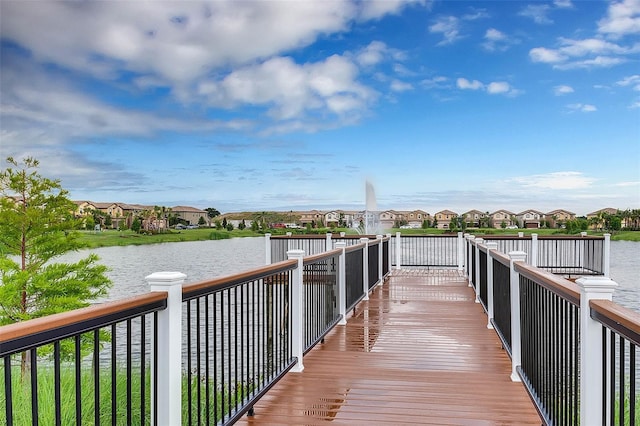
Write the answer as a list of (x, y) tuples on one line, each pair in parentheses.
[(126, 238), (21, 396)]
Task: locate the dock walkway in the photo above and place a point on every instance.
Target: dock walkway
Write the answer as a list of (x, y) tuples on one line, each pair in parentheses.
[(417, 352)]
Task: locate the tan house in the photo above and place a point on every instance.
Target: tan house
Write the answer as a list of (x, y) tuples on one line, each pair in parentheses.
[(529, 219), (191, 215), (415, 218), (443, 218), (312, 216), (557, 218), (595, 218), (473, 218), (500, 217)]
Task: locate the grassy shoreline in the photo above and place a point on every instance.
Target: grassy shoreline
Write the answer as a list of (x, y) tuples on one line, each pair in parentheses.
[(110, 238)]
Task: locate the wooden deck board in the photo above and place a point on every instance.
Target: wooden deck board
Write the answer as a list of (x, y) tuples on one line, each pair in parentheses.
[(418, 352)]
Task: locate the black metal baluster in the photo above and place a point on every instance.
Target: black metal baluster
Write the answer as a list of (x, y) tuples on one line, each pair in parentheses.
[(56, 382), (78, 361), (129, 371), (114, 410), (612, 374), (632, 384), (33, 354), (207, 394), (198, 360), (143, 378), (621, 379), (96, 377), (8, 403)]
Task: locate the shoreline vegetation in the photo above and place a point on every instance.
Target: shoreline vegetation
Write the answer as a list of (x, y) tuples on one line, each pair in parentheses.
[(110, 238)]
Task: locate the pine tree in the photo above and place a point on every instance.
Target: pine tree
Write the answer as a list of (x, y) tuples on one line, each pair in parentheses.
[(36, 226)]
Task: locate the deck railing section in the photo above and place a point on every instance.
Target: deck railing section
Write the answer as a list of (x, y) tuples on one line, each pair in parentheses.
[(574, 349), (354, 275), (620, 375), (436, 251), (237, 342), (500, 296), (549, 332), (320, 294), (85, 366), (560, 254)]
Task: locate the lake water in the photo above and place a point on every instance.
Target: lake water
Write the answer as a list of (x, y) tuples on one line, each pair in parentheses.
[(201, 260)]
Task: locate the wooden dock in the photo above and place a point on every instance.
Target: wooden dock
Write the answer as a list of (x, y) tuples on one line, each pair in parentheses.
[(417, 352)]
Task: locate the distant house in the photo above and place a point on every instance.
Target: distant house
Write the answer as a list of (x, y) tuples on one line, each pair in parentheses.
[(415, 218), (595, 218), (557, 218), (331, 219), (473, 218), (311, 217), (500, 217), (191, 215), (443, 218), (529, 219)]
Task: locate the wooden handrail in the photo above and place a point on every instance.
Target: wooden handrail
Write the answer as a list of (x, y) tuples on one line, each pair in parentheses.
[(562, 287), (201, 287), (623, 321), (322, 256), (51, 322), (501, 257), (354, 247)]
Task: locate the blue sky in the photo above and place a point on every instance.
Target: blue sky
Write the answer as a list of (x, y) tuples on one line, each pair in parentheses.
[(290, 105)]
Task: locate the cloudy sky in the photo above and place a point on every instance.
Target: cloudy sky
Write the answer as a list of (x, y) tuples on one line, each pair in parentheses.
[(257, 105)]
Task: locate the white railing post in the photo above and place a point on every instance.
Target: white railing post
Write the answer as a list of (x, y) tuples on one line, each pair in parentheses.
[(297, 310), (606, 255), (478, 242), (398, 250), (470, 239), (169, 356), (534, 250), (342, 283), (520, 242), (460, 252), (329, 243), (514, 284), (491, 246), (389, 253), (596, 287), (380, 257), (267, 248), (365, 268)]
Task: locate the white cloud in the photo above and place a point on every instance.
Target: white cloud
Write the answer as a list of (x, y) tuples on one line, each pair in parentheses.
[(562, 90), (495, 40), (291, 90), (623, 18), (377, 52), (549, 56), (465, 84), (475, 15), (537, 12), (400, 86), (635, 105), (632, 80), (555, 181), (449, 27), (582, 107), (596, 53), (493, 88), (437, 82), (563, 4), (498, 87), (378, 8)]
